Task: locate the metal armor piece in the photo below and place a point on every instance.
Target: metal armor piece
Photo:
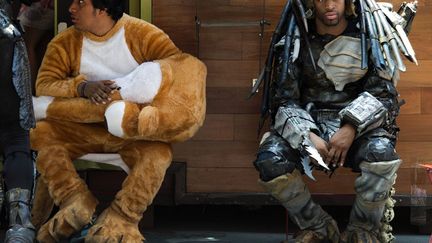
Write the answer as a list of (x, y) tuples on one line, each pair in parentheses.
[(386, 229), (7, 29), (21, 230), (408, 12), (294, 124), (275, 157), (341, 61), (291, 191), (398, 22), (373, 188), (365, 113), (20, 69)]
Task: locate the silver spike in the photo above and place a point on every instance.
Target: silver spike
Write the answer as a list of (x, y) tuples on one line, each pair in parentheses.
[(305, 161), (397, 21), (296, 49)]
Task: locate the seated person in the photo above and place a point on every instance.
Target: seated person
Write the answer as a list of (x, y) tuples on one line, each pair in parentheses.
[(341, 112), (161, 100)]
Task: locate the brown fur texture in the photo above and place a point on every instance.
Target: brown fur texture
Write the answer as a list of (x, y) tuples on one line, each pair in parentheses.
[(74, 127), (42, 204), (120, 220), (175, 114)]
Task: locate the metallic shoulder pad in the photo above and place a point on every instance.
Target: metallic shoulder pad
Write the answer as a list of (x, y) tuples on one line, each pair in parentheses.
[(341, 61), (365, 113), (294, 124), (7, 29)]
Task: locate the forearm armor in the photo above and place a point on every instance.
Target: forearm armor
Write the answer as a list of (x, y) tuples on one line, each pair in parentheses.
[(364, 113), (293, 123)]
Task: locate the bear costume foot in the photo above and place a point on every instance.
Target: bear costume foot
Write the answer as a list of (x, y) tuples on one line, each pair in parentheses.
[(112, 227), (74, 214)]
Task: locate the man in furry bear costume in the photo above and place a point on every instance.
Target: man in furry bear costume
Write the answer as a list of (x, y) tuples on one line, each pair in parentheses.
[(111, 84)]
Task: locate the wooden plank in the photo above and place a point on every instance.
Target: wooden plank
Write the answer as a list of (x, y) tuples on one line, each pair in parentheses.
[(231, 73), (220, 44), (229, 180), (222, 180), (415, 128), (252, 47), (216, 127), (225, 10), (414, 152), (227, 100), (417, 76), (177, 19), (412, 97), (209, 154), (426, 98), (422, 49), (184, 40), (245, 127)]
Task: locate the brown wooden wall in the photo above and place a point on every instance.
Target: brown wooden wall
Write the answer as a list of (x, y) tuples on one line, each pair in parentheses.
[(219, 158)]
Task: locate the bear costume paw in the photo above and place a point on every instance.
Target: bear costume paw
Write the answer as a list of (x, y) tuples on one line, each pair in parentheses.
[(74, 214), (111, 227)]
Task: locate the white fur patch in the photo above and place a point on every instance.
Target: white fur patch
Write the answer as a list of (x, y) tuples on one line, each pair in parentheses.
[(40, 106), (108, 59), (142, 84), (114, 116), (106, 158)]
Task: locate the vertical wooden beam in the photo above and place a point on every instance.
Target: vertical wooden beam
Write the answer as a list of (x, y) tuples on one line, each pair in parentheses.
[(146, 10), (55, 17), (134, 8)]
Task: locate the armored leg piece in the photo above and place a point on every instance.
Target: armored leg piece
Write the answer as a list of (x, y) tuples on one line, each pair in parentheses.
[(315, 224), (386, 229), (21, 230), (373, 190)]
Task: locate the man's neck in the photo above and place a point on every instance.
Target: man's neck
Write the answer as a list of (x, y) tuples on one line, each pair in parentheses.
[(335, 30), (104, 27)]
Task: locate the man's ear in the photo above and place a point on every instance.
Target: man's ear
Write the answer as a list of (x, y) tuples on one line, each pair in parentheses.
[(103, 12)]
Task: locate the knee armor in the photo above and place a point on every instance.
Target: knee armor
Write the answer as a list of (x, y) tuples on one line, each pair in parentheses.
[(274, 158)]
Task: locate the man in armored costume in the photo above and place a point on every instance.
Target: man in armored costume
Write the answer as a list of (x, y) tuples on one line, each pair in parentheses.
[(17, 118), (329, 88)]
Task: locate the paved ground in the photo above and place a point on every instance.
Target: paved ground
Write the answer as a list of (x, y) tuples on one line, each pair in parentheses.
[(240, 224), (241, 237), (236, 224)]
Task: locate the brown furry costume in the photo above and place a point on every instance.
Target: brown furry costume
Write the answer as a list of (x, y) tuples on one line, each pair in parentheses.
[(73, 126)]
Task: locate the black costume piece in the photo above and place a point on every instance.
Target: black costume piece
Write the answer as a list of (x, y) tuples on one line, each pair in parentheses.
[(17, 118), (317, 88)]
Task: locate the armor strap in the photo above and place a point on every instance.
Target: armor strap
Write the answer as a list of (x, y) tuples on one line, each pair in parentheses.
[(293, 124), (365, 113)]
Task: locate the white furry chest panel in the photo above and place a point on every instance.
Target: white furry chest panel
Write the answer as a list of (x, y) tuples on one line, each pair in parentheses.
[(341, 61), (106, 60)]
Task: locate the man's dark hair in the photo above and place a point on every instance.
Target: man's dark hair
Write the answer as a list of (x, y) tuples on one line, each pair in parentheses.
[(114, 8)]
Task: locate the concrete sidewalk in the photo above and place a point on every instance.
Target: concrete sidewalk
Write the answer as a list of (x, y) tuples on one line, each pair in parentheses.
[(241, 237)]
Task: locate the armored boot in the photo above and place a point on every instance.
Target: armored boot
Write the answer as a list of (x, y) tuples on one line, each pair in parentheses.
[(315, 224), (373, 190), (21, 230)]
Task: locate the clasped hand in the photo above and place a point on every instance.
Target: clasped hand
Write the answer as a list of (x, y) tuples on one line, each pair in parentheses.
[(97, 91), (335, 151)]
